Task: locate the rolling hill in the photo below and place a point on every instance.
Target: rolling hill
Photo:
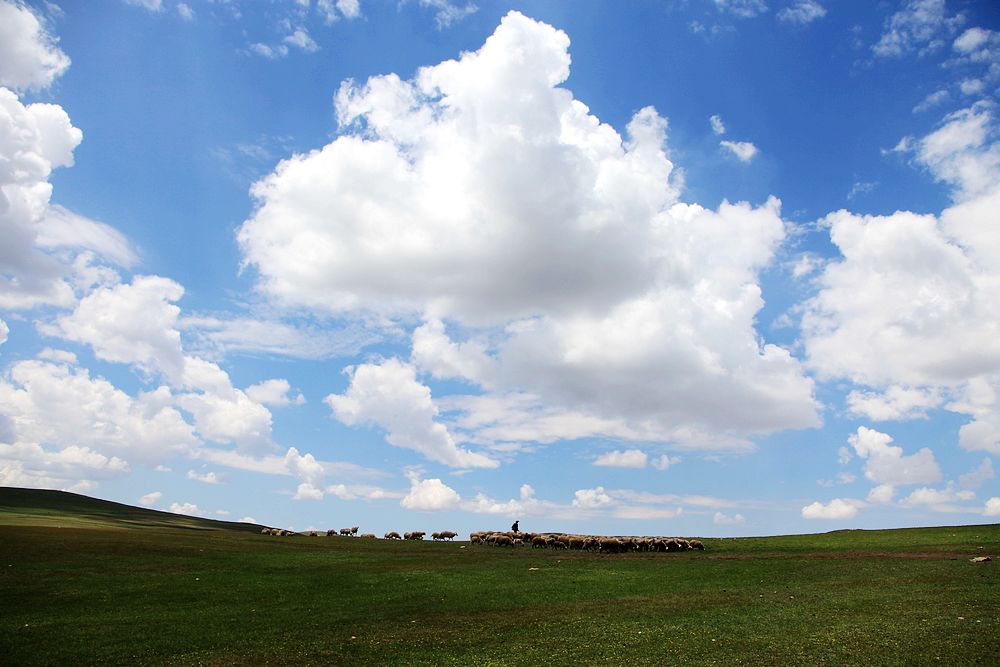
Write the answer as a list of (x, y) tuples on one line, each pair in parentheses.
[(43, 507)]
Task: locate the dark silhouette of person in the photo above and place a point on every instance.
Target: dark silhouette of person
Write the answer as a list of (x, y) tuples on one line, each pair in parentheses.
[(514, 527)]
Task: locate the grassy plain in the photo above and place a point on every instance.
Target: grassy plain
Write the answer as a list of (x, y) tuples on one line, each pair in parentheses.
[(168, 595)]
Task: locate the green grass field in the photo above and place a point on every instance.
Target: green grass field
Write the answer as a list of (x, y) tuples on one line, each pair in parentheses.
[(134, 592)]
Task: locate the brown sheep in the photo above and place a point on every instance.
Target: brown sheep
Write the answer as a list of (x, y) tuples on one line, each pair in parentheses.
[(265, 531), (393, 535), (697, 544), (368, 536), (331, 532), (538, 542), (503, 541), (414, 535), (448, 535), (354, 531)]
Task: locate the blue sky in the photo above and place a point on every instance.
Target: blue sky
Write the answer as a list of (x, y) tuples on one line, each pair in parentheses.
[(704, 267)]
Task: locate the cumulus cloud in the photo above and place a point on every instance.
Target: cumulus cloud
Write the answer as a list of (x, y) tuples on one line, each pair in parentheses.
[(630, 458), (592, 498), (718, 127), (938, 500), (895, 403), (992, 507), (151, 498), (555, 245), (525, 505), (63, 407), (29, 57), (185, 12), (430, 495), (185, 508), (836, 509), (802, 12), (743, 150), (274, 393), (886, 464), (333, 10), (34, 140), (721, 519), (388, 395), (664, 461), (4, 331), (882, 494), (205, 478)]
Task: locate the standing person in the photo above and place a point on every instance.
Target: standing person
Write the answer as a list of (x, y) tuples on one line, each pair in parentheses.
[(514, 527)]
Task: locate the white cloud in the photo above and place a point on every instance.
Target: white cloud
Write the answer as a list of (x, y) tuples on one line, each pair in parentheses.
[(882, 494), (894, 403), (34, 140), (972, 40), (648, 513), (268, 51), (886, 464), (844, 456), (185, 508), (62, 406), (718, 127), (971, 86), (743, 150), (919, 26), (663, 461), (992, 507), (430, 495), (29, 57), (388, 395), (743, 9), (975, 478), (361, 491), (938, 500), (836, 509), (592, 498), (248, 519), (62, 228), (149, 5), (802, 12), (333, 10), (448, 12), (300, 39), (525, 505), (207, 478), (861, 187), (4, 331), (721, 519), (221, 512), (630, 458), (151, 498), (591, 293), (275, 393), (934, 99), (185, 11), (130, 323), (307, 491)]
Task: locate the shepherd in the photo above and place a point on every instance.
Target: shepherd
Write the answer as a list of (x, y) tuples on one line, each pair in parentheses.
[(514, 527)]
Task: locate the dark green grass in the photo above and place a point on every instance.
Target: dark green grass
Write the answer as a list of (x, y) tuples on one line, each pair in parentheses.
[(168, 596)]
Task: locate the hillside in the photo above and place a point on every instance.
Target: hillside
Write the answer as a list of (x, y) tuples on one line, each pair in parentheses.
[(43, 507)]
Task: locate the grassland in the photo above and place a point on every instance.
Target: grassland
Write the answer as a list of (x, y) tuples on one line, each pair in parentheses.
[(168, 595)]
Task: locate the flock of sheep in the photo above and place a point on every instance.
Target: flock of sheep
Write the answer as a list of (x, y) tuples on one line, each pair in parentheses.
[(600, 544)]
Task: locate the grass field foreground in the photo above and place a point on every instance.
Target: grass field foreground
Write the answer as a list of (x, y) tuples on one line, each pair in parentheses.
[(179, 596)]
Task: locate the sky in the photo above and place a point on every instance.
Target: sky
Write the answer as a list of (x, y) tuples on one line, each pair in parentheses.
[(698, 267)]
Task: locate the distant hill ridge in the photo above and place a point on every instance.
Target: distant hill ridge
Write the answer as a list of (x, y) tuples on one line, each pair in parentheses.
[(44, 507)]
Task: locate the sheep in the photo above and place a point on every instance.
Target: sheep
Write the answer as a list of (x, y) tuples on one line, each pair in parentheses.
[(346, 532), (354, 531), (476, 538), (503, 541), (414, 535), (518, 542), (369, 536), (331, 532), (697, 544), (393, 535), (265, 531), (448, 535), (576, 542), (538, 542), (313, 533)]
